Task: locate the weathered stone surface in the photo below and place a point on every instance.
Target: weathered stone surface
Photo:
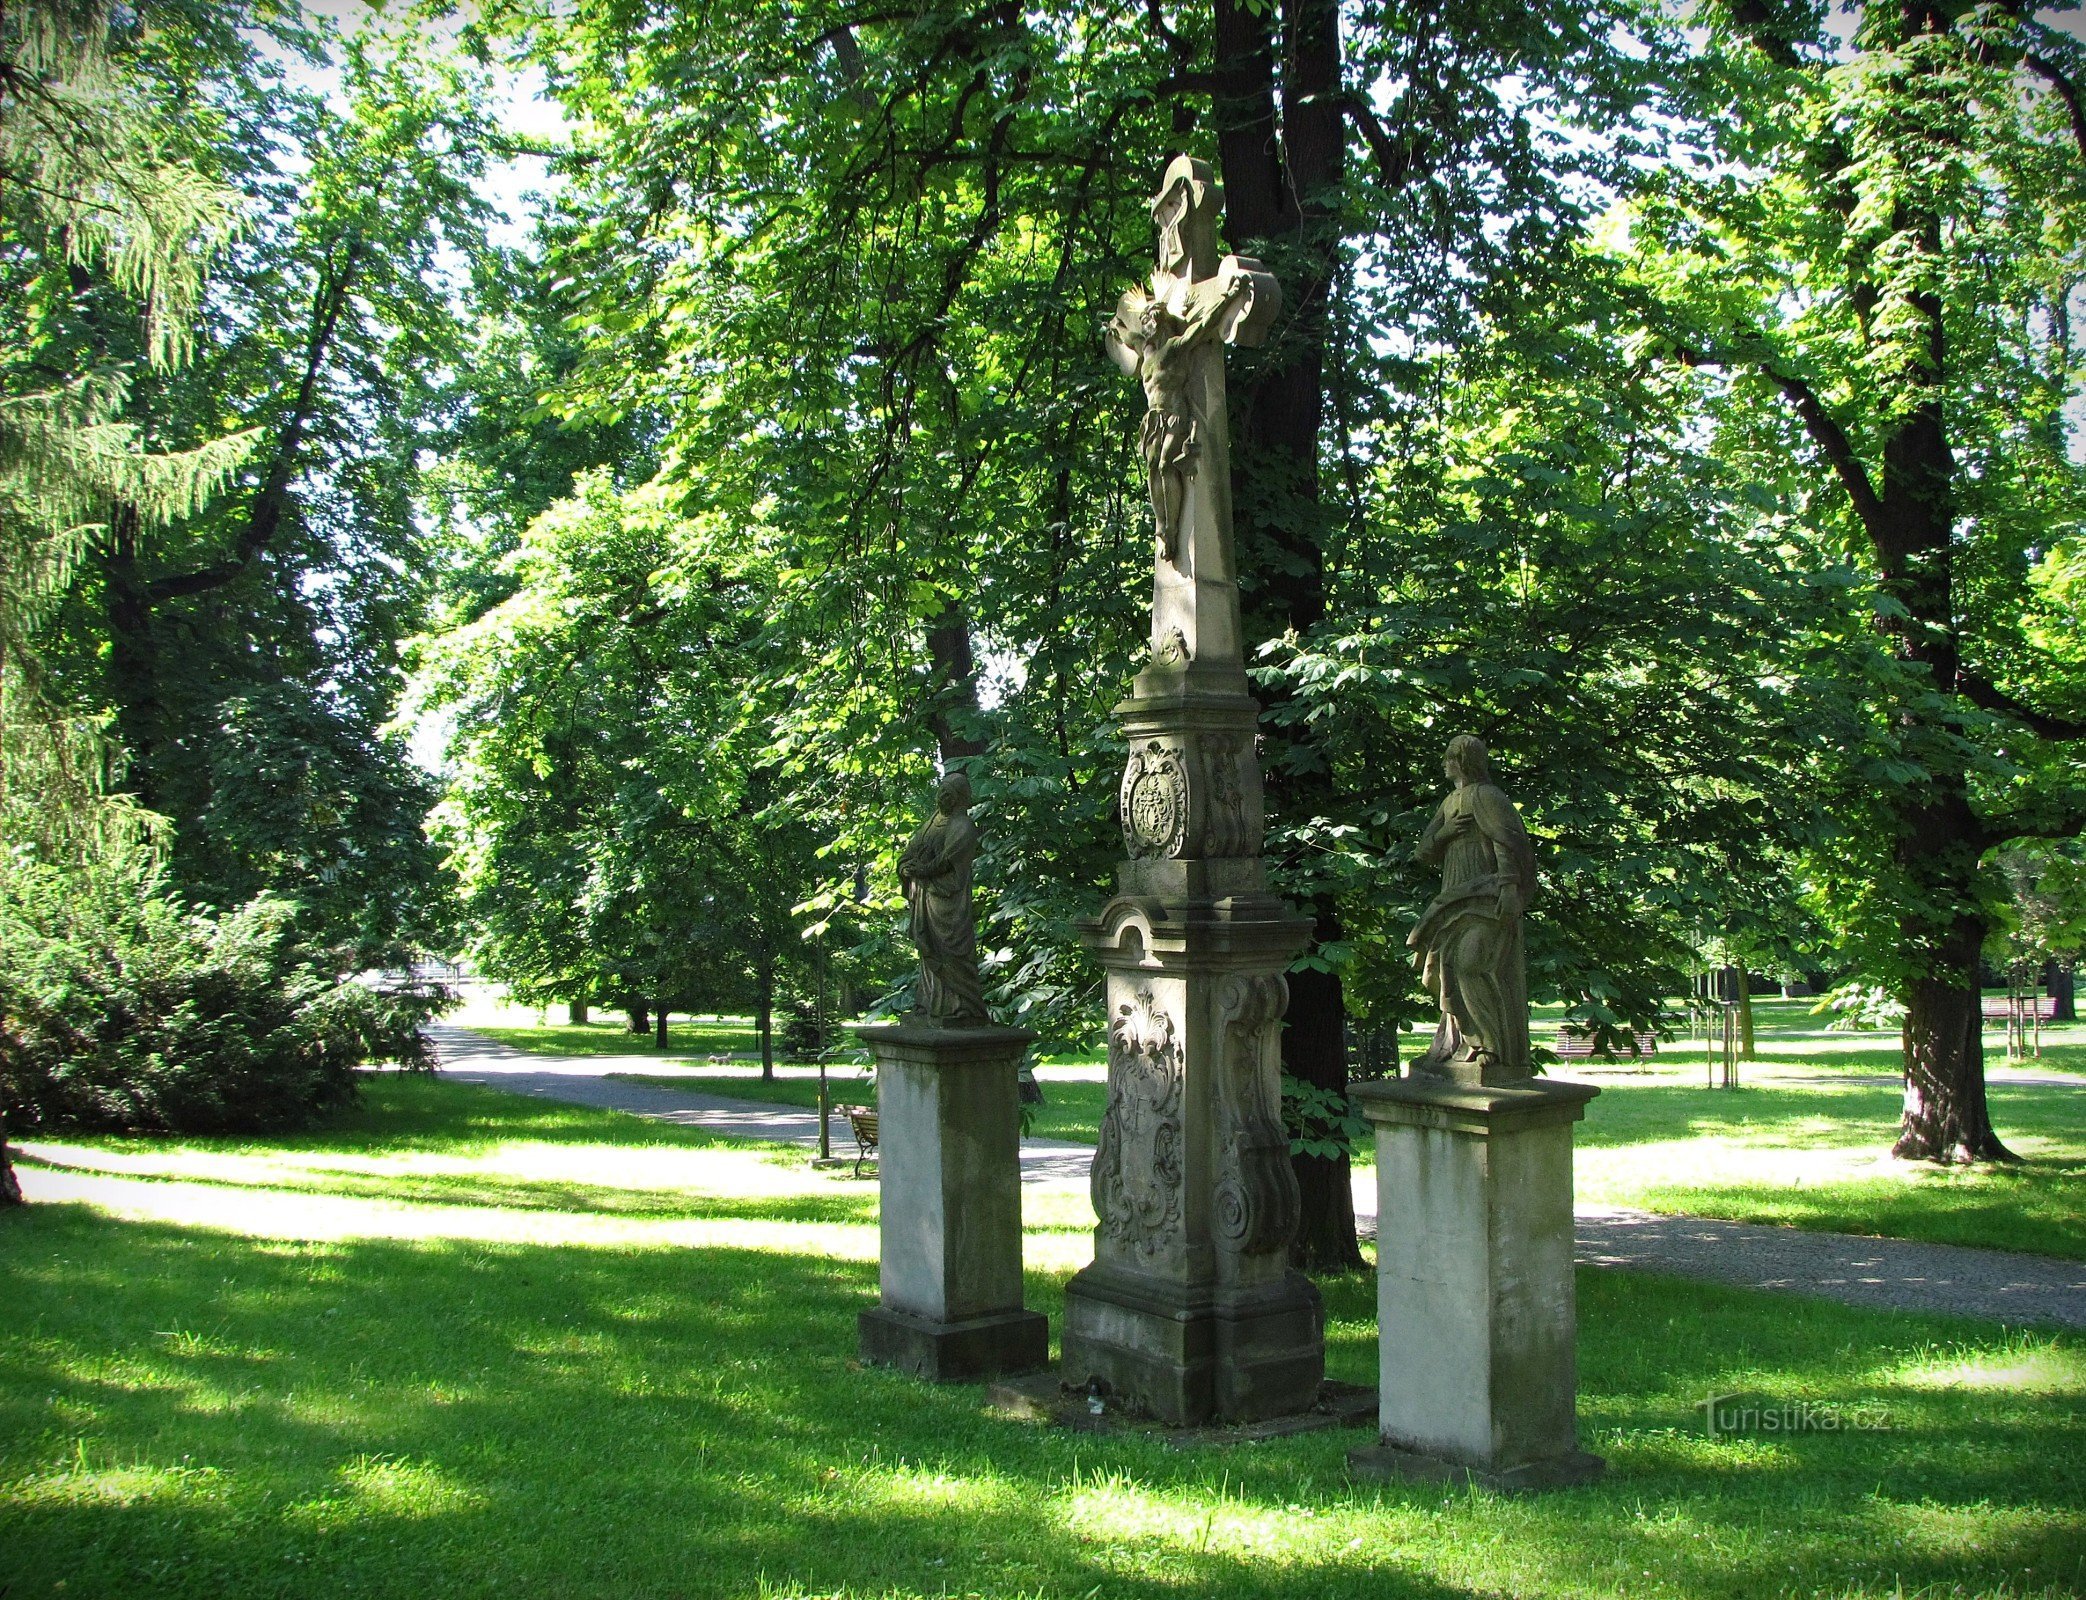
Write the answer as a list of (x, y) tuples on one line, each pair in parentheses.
[(955, 1352), (949, 1128), (935, 868), (1393, 1465), (1476, 1318), (1169, 334), (1189, 1312), (1469, 940)]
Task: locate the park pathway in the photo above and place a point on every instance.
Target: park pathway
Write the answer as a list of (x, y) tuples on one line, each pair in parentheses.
[(1886, 1274), (586, 1080)]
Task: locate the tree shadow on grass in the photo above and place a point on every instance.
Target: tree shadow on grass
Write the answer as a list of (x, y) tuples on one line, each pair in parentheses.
[(521, 1194), (184, 1413)]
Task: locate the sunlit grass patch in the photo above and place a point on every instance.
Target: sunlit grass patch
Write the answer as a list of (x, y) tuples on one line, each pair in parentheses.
[(684, 1038), (202, 1412)]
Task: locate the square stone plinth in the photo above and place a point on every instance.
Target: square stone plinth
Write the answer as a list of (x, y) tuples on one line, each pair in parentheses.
[(1224, 1356), (1005, 1343), (1476, 1318), (949, 1219)]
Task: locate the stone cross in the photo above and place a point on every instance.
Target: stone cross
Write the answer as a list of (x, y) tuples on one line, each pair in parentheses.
[(1170, 336), (1190, 1311)]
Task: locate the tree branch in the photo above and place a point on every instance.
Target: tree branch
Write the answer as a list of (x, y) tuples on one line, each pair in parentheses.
[(1397, 160), (2049, 71), (2065, 818), (1981, 692), (1758, 22), (2067, 91), (1819, 423), (265, 516)]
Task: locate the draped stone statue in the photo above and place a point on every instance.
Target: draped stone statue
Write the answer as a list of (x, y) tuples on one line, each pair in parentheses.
[(1469, 939), (936, 870)]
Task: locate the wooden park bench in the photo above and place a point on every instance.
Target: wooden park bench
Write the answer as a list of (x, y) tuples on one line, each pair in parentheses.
[(2033, 1007), (861, 1122), (1572, 1045)]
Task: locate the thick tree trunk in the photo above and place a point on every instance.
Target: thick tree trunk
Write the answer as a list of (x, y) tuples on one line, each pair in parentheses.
[(953, 712), (2061, 980), (1281, 185), (640, 1016), (659, 1024), (10, 1186), (576, 1013), (766, 1023), (1946, 1117)]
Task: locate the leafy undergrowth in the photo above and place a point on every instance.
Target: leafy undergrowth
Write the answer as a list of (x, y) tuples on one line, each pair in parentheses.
[(233, 1413)]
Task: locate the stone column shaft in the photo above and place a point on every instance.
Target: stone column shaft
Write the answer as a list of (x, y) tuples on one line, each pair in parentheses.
[(1476, 1317), (949, 1175)]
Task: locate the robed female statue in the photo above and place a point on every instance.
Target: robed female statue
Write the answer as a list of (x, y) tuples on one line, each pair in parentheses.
[(936, 870), (1469, 939)]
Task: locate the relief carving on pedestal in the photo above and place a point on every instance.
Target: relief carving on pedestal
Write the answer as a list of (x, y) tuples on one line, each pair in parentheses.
[(1227, 830), (1137, 1166), (1154, 801), (1256, 1200)]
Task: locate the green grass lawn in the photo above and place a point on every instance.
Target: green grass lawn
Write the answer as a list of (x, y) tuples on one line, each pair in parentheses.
[(673, 1408), (685, 1037), (1804, 1140), (1818, 1157)]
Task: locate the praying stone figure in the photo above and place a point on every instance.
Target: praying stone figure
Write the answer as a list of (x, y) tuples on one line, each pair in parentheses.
[(1469, 940), (936, 870)]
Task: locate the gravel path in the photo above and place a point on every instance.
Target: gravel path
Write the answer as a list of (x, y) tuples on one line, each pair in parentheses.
[(584, 1080), (1885, 1274), (1890, 1274)]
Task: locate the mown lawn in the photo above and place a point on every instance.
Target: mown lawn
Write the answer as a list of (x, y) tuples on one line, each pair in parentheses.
[(685, 1037), (1071, 1109), (1803, 1141), (672, 1408)]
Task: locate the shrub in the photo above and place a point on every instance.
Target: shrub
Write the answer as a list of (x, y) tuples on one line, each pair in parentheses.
[(804, 1031), (1858, 1006), (123, 1009)]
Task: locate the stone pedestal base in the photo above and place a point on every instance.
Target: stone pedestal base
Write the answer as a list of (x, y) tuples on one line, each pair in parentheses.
[(949, 1180), (955, 1352), (1402, 1466), (1476, 1318), (1238, 1357)]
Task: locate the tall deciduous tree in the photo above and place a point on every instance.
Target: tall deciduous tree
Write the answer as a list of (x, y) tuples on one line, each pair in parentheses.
[(855, 264), (1881, 251), (247, 649), (613, 815)]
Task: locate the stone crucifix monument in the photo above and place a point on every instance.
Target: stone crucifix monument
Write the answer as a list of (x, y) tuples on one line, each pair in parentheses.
[(949, 1139), (1190, 1312), (1476, 1321)]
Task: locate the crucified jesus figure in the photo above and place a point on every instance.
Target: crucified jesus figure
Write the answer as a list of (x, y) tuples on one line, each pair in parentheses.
[(1161, 349), (1169, 337)]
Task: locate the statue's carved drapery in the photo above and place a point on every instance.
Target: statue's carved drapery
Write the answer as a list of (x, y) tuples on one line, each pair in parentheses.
[(1469, 940), (936, 870)]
